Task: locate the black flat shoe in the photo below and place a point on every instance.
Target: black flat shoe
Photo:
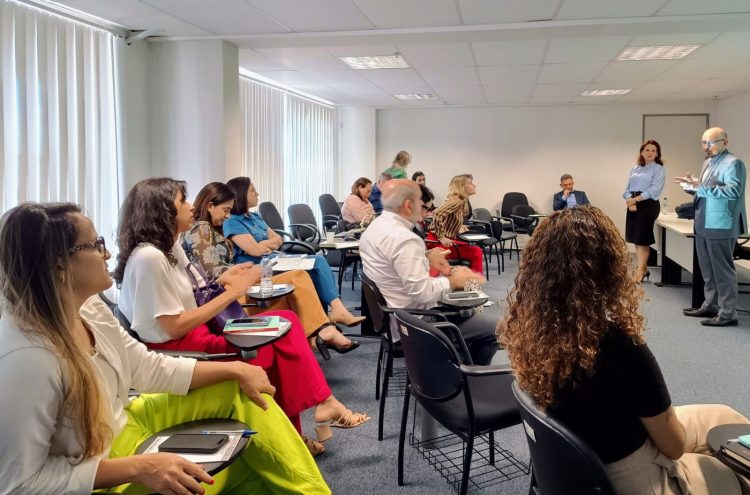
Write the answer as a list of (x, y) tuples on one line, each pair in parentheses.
[(698, 312)]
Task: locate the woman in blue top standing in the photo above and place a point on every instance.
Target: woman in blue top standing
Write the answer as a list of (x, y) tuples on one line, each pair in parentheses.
[(645, 184), (253, 239)]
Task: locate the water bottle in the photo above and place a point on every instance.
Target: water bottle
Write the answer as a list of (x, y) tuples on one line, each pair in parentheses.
[(664, 207), (266, 284)]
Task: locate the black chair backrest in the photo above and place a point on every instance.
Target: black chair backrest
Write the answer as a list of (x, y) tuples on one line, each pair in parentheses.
[(302, 214), (562, 463), (375, 303), (510, 200), (329, 205), (523, 211), (271, 215), (431, 359)]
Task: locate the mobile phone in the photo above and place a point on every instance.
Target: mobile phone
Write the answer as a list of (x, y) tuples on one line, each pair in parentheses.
[(194, 443), (463, 295), (254, 321), (744, 440)]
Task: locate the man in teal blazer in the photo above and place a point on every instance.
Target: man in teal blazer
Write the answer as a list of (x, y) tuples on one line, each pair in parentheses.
[(719, 219)]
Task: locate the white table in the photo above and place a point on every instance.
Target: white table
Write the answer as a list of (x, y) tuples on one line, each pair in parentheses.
[(678, 252)]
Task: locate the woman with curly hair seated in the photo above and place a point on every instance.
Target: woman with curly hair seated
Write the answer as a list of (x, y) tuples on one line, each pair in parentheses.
[(574, 336)]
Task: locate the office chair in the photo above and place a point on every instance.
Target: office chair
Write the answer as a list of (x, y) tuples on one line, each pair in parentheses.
[(561, 464), (522, 220), (470, 401), (380, 315), (303, 224), (272, 217), (495, 227), (330, 210)]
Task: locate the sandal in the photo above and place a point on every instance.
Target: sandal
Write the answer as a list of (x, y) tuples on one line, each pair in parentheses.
[(315, 448), (346, 319), (347, 420)]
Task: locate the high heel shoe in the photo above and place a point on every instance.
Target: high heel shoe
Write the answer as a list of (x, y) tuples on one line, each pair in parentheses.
[(346, 319), (646, 275), (347, 420), (323, 347)]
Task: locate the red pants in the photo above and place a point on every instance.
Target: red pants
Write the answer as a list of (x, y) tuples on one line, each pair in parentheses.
[(289, 362), (461, 250)]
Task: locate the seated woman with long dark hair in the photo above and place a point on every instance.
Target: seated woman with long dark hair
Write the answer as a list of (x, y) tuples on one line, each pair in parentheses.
[(206, 245), (66, 365), (574, 336), (253, 239), (357, 208), (157, 298)]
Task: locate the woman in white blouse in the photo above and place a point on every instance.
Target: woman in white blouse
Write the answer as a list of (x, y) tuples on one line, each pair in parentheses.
[(68, 365), (357, 207)]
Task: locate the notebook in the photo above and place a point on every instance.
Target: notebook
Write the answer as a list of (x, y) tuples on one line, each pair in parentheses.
[(288, 263), (737, 452)]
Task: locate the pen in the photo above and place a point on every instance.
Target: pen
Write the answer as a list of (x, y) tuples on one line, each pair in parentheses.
[(245, 433)]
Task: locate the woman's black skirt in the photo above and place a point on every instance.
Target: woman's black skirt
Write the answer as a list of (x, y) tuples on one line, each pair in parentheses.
[(639, 224)]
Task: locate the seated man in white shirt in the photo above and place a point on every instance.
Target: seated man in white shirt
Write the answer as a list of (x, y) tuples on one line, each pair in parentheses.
[(394, 258)]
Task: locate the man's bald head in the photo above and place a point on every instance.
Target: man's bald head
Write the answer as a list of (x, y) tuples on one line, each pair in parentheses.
[(403, 197), (714, 141)]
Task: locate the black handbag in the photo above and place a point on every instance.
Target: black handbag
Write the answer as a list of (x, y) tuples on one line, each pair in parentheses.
[(209, 290), (685, 210)]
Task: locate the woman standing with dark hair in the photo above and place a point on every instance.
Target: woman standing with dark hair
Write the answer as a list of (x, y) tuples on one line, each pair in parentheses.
[(206, 245), (253, 239), (575, 341), (68, 366), (645, 184), (156, 295), (357, 208)]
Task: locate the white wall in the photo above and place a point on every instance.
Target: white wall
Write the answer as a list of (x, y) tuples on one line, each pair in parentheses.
[(732, 116), (525, 149), (357, 133)]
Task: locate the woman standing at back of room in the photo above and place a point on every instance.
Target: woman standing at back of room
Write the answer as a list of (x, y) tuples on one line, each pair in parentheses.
[(645, 184), (574, 337), (398, 167)]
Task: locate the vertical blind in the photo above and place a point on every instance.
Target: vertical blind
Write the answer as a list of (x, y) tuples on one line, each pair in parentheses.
[(58, 131), (288, 145)]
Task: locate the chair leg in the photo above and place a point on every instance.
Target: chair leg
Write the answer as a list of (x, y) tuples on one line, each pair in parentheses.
[(491, 438), (378, 369), (467, 465), (384, 392), (532, 484), (402, 436)]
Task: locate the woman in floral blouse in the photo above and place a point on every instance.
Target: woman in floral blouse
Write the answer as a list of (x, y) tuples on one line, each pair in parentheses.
[(206, 245)]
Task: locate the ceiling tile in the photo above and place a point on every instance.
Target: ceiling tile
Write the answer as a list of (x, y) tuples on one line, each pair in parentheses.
[(466, 95), (509, 52), (673, 39), (220, 16), (569, 73), (409, 13), (392, 78), (698, 69), (603, 9), (550, 100), (289, 78), (304, 58), (691, 7), (728, 45), (664, 87), (254, 61), (507, 99), (320, 15), (642, 70), (361, 50), (558, 90), (455, 76), (569, 50), (502, 90), (427, 55), (741, 70), (721, 85), (340, 79), (509, 74), (503, 11)]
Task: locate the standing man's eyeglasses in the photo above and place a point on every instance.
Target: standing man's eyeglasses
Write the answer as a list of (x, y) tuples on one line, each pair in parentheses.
[(711, 142), (98, 244)]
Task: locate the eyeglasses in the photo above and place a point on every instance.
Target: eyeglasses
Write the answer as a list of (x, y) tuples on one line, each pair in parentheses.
[(98, 244), (710, 143)]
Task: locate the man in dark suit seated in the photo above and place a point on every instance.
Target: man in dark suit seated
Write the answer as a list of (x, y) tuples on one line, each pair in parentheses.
[(568, 198)]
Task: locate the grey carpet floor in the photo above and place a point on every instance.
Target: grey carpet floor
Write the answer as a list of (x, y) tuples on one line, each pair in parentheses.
[(700, 365)]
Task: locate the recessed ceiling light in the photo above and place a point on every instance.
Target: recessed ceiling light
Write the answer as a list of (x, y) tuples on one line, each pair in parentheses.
[(661, 52), (605, 92), (426, 96), (394, 61)]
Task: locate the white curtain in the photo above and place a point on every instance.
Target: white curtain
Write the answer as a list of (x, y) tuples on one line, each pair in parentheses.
[(58, 131), (288, 145)]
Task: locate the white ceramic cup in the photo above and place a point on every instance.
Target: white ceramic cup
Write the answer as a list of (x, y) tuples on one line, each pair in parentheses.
[(330, 236)]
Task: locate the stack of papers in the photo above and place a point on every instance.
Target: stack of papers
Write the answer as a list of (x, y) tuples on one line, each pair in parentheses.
[(288, 263)]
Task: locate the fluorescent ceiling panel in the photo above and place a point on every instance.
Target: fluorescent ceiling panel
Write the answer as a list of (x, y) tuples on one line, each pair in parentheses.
[(376, 62), (657, 52), (606, 92)]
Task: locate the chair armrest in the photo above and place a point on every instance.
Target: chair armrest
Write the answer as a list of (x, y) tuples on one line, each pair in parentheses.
[(312, 228), (283, 233), (420, 312), (200, 356), (331, 217), (478, 222), (290, 244), (490, 370)]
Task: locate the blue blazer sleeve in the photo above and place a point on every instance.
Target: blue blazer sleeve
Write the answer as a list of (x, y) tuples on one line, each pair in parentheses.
[(582, 199), (557, 202)]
